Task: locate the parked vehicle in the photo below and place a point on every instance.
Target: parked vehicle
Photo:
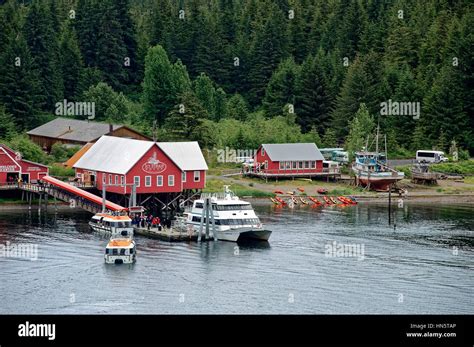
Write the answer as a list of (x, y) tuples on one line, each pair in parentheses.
[(426, 156)]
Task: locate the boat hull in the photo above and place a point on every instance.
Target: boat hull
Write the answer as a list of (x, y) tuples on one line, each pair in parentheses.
[(381, 184)]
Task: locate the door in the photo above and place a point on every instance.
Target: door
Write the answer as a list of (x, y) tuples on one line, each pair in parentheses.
[(25, 178)]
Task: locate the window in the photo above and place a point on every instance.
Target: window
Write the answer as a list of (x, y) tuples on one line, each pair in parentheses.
[(300, 165), (110, 179), (122, 180), (282, 165), (266, 164), (197, 176), (313, 165), (288, 165), (136, 180), (171, 180), (103, 178), (159, 181), (147, 181), (116, 179), (263, 151), (294, 166), (183, 176), (306, 164)]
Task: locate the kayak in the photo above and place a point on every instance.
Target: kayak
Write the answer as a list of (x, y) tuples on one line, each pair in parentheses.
[(316, 201), (295, 201), (322, 191), (301, 189), (274, 201), (278, 192), (280, 200), (291, 193), (329, 202), (304, 201)]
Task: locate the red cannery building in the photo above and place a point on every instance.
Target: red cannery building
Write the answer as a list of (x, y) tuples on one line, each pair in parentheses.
[(288, 159), (13, 166), (154, 167)]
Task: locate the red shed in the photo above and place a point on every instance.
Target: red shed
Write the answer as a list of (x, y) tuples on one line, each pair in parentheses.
[(13, 166), (288, 159), (155, 167)]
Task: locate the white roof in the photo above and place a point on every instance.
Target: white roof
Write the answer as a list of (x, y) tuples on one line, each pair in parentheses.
[(118, 155), (187, 155)]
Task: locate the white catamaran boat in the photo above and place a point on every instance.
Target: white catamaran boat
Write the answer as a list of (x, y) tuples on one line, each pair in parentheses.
[(234, 219), (120, 251), (117, 225)]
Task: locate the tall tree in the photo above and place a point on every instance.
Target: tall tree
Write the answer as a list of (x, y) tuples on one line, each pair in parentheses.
[(281, 89), (312, 102), (360, 127), (44, 48), (19, 84), (162, 85), (71, 62)]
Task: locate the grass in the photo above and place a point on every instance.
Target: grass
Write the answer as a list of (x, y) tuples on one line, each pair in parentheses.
[(405, 169), (465, 167), (217, 185)]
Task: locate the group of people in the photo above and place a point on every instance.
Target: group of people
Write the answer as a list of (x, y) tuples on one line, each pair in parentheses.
[(147, 221)]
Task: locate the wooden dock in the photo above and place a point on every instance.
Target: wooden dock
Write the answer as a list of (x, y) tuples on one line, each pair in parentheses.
[(167, 234)]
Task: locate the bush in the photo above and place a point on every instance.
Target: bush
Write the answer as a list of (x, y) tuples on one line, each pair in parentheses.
[(461, 168), (29, 150), (61, 171)]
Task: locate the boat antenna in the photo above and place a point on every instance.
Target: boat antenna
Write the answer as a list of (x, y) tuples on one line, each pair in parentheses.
[(377, 141)]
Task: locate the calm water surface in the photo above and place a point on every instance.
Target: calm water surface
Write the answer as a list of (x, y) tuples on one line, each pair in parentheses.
[(424, 266)]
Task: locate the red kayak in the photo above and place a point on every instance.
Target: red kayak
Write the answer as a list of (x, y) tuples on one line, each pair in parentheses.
[(301, 189), (316, 201), (280, 200), (329, 202), (278, 192), (322, 191)]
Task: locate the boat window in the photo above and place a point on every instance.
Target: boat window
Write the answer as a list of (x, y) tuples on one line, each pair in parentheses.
[(115, 251), (122, 251), (131, 250), (199, 205), (233, 207)]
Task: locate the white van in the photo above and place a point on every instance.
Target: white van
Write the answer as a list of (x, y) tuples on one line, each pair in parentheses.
[(425, 156)]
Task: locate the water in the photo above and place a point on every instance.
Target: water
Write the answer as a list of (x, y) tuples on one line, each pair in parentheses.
[(424, 266)]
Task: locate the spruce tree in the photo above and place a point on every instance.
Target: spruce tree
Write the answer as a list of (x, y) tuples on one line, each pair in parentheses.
[(44, 48), (281, 89), (71, 62), (312, 101)]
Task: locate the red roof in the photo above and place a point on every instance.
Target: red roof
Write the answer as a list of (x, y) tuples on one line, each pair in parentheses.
[(82, 193)]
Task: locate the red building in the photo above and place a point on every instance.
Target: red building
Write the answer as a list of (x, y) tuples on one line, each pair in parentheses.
[(288, 159), (155, 167), (13, 166)]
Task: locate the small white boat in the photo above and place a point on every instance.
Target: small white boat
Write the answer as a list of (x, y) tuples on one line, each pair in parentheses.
[(234, 219), (117, 225), (120, 251)]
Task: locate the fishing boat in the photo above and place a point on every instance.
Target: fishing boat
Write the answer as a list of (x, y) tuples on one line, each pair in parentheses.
[(371, 168), (232, 219), (120, 251), (116, 224)]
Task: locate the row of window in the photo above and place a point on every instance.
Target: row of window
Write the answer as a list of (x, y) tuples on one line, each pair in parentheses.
[(247, 221), (148, 179), (226, 207), (294, 165)]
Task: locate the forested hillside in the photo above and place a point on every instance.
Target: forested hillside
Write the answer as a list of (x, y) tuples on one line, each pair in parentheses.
[(242, 72)]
